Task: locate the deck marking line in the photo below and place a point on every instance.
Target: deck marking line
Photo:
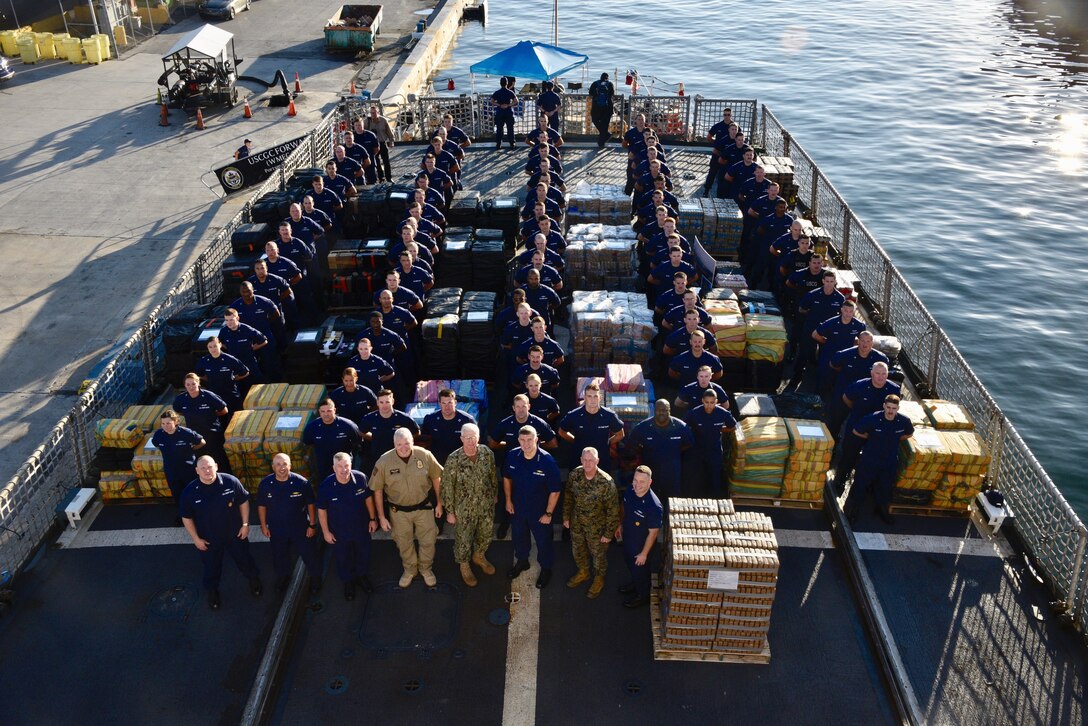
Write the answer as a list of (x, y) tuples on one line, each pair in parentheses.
[(522, 649)]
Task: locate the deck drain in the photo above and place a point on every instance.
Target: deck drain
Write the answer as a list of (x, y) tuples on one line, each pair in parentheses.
[(513, 597), (316, 607), (632, 688), (173, 602), (336, 685), (499, 616), (412, 686)]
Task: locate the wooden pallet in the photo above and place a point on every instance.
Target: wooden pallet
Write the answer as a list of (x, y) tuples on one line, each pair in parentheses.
[(662, 652), (920, 511), (749, 500)]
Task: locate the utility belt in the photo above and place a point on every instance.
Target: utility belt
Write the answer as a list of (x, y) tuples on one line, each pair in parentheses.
[(427, 503)]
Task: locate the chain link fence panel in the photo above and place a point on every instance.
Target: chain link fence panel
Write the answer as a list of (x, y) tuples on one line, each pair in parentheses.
[(708, 111), (669, 116)]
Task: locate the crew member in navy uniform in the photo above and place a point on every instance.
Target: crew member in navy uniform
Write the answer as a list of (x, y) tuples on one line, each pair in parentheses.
[(178, 445), (642, 517), (441, 430), (352, 399), (662, 439), (834, 335), (285, 507), (817, 306), (879, 460), (326, 199), (602, 95), (243, 342), (592, 425), (691, 395), (504, 101), (685, 366), (541, 404), (550, 103), (378, 427), (329, 434), (373, 371), (861, 398), (345, 508), (708, 423), (221, 373), (214, 510), (243, 150), (531, 483), (848, 366), (203, 411)]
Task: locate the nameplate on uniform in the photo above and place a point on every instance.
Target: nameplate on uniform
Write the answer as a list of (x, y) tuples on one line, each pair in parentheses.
[(722, 578)]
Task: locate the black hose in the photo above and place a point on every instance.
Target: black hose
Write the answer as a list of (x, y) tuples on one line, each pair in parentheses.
[(282, 79)]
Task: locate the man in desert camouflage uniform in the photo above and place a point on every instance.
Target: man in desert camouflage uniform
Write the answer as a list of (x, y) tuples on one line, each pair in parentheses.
[(468, 494), (591, 510)]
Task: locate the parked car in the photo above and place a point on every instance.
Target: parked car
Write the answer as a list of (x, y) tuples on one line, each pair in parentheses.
[(214, 9), (6, 72)]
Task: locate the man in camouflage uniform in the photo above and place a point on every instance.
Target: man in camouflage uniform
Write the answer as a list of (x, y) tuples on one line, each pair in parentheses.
[(591, 510), (468, 494)]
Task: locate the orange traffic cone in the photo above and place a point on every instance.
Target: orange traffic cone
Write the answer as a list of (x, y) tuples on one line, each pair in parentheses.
[(164, 115), (248, 112), (298, 84), (353, 86), (291, 108), (199, 120)]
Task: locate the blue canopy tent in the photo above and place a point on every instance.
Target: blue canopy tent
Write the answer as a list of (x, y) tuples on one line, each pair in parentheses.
[(529, 59)]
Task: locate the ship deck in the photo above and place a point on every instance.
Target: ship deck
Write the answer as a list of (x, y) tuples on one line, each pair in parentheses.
[(110, 624)]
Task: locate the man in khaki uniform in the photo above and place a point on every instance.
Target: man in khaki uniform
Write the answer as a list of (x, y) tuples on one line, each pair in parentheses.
[(591, 511), (468, 493), (408, 473)]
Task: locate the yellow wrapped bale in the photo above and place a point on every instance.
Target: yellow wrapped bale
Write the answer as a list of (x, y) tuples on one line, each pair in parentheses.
[(303, 397), (118, 433), (147, 416), (156, 487), (147, 460), (914, 411), (948, 416), (113, 485), (265, 397), (765, 337), (284, 436), (967, 453)]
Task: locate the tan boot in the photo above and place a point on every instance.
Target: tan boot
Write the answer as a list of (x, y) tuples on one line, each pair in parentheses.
[(579, 577), (466, 574), (595, 587), (480, 561)]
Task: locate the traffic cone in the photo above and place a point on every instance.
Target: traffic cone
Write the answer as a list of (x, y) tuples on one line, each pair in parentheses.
[(164, 116), (298, 84), (291, 108), (248, 112), (199, 120), (353, 86)]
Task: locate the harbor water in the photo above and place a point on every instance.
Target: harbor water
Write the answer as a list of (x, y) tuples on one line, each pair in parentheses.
[(957, 132)]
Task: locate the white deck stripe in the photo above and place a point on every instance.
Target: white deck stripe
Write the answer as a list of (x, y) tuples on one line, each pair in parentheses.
[(522, 649), (791, 538)]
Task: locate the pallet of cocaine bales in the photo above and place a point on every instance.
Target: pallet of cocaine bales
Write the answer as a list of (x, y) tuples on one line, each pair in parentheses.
[(244, 444), (719, 579), (609, 327), (121, 485), (940, 471), (762, 448), (147, 466), (601, 257), (809, 459), (603, 203)]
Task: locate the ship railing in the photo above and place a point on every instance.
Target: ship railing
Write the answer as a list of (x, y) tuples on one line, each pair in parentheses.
[(705, 112), (1052, 532)]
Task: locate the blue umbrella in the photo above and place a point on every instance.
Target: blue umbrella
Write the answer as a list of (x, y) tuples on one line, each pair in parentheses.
[(532, 60)]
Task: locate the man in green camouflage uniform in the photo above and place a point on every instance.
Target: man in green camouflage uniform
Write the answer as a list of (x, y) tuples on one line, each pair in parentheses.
[(468, 494), (591, 510)]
